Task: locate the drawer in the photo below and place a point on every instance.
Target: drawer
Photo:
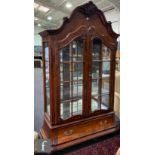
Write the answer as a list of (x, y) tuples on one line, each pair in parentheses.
[(83, 129)]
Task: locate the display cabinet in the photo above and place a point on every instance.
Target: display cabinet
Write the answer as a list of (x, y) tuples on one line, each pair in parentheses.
[(79, 71)]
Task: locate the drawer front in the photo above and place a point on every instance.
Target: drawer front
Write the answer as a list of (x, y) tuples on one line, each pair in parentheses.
[(77, 131)]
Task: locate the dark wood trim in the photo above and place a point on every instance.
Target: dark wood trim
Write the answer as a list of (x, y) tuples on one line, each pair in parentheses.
[(55, 75), (112, 79)]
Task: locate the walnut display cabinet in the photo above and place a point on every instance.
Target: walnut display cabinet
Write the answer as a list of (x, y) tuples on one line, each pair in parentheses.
[(79, 74)]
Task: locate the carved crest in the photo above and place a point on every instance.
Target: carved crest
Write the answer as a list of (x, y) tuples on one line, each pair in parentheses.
[(88, 9)]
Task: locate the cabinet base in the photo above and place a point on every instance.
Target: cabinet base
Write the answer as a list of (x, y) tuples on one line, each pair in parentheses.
[(69, 135)]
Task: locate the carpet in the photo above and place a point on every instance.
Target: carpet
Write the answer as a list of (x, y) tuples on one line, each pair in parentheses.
[(107, 145)]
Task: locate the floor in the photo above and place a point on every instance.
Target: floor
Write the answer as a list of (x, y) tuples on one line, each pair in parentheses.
[(105, 145), (38, 99)]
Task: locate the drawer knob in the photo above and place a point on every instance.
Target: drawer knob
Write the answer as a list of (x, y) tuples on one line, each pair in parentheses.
[(68, 132)]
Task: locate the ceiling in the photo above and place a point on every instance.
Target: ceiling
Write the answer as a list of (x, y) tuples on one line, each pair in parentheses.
[(48, 14)]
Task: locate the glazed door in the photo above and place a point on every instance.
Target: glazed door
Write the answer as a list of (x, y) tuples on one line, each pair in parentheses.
[(84, 78), (71, 80), (99, 76), (46, 77)]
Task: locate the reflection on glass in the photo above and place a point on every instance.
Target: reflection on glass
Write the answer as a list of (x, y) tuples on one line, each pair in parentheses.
[(100, 76), (47, 84), (95, 87), (75, 109), (105, 52), (71, 79), (95, 103), (105, 102), (105, 69), (96, 69), (96, 53)]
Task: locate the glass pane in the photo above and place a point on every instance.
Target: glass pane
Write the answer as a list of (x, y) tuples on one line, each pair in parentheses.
[(100, 102), (100, 75), (77, 50), (95, 103), (47, 84), (71, 77), (96, 53), (105, 70), (65, 110), (95, 87), (64, 54), (77, 90), (105, 77), (105, 52), (65, 91), (95, 69), (105, 85), (77, 71), (105, 102), (69, 109), (106, 66), (77, 107)]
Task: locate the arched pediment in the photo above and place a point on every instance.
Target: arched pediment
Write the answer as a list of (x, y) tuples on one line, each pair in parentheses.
[(87, 10)]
